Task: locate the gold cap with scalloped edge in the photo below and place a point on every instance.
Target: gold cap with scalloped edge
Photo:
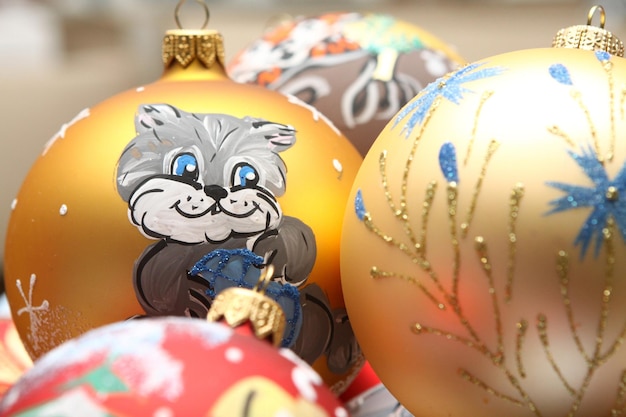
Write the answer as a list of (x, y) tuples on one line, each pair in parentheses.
[(588, 37), (184, 46)]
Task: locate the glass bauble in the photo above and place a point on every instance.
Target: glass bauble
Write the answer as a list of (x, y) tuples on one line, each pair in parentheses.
[(484, 254)]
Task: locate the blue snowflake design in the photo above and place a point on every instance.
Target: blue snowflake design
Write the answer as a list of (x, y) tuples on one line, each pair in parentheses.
[(225, 268), (606, 198), (451, 87)]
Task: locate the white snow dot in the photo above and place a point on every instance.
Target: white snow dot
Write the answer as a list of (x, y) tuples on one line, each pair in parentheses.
[(63, 210), (234, 355), (316, 114), (341, 412), (14, 204), (61, 133), (338, 166), (163, 412), (305, 379)]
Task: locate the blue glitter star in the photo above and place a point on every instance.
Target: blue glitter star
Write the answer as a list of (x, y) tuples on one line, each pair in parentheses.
[(449, 87), (605, 197)]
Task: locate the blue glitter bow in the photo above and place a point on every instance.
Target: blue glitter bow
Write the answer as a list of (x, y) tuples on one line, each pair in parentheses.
[(226, 268)]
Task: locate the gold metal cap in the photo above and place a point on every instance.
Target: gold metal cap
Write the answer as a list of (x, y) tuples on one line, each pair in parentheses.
[(239, 305), (183, 46), (590, 38)]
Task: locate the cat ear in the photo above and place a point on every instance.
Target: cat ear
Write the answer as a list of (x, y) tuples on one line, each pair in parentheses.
[(280, 137), (150, 116)]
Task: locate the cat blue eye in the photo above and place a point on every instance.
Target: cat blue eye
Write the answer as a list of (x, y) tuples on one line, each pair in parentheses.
[(185, 165), (244, 175)]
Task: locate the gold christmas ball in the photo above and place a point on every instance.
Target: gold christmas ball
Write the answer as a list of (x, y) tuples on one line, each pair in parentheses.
[(358, 69), (483, 255), (151, 202)]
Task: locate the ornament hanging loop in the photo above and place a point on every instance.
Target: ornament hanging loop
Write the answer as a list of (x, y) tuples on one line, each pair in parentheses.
[(592, 12), (185, 46), (205, 6), (588, 37), (264, 280)]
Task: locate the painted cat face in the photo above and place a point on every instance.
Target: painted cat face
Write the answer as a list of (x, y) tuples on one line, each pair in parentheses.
[(195, 178)]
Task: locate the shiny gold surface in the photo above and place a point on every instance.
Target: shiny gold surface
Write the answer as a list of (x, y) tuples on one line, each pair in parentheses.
[(71, 247)]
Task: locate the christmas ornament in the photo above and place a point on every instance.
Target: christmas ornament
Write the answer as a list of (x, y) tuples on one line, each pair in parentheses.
[(358, 69), (367, 397), (14, 360), (151, 202), (483, 256), (178, 366)]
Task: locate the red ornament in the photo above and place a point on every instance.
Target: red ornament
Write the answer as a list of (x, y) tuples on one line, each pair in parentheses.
[(14, 360), (368, 397), (164, 367)]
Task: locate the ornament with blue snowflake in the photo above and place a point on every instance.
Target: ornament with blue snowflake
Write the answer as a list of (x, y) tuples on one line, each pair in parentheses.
[(606, 198), (450, 87)]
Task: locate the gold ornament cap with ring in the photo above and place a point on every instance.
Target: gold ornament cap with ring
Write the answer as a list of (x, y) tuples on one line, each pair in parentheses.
[(588, 37), (483, 261), (184, 47), (154, 200)]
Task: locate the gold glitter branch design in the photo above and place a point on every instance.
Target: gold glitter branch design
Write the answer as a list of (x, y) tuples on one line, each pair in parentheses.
[(607, 66), (417, 253), (415, 243), (598, 357)]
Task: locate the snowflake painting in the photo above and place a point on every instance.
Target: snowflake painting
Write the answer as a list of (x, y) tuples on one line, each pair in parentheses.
[(450, 87), (603, 197)]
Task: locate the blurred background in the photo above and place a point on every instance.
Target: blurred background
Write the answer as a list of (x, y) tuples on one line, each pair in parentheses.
[(60, 56)]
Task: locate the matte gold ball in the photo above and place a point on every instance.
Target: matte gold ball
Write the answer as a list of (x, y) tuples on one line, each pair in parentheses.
[(483, 257)]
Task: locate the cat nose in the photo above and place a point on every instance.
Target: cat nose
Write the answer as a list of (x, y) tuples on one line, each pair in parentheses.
[(215, 192)]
